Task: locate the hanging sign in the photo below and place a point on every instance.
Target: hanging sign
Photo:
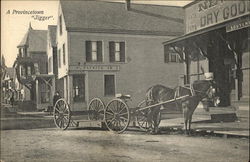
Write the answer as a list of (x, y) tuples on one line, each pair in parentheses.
[(207, 13), (239, 24)]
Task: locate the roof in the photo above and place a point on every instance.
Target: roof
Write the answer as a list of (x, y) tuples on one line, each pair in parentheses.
[(10, 72), (113, 17), (52, 34), (36, 40)]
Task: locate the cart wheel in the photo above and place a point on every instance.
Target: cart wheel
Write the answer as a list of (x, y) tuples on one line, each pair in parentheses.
[(96, 109), (142, 117), (117, 116), (62, 114)]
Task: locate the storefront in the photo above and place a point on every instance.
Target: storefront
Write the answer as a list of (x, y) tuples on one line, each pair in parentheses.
[(216, 40)]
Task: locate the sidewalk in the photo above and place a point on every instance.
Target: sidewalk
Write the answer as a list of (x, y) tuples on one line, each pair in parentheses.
[(11, 118), (203, 123)]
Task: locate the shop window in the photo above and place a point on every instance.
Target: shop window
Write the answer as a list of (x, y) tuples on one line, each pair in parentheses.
[(94, 51), (78, 88), (117, 51), (170, 55), (64, 54), (109, 85), (45, 93)]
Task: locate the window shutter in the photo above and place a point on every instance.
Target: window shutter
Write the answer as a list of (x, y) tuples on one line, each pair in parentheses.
[(166, 54), (112, 51), (122, 51), (88, 51), (99, 51)]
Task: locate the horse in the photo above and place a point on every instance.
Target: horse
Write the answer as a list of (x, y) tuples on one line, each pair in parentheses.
[(197, 91)]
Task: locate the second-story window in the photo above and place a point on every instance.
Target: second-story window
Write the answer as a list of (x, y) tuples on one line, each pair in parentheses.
[(28, 70), (117, 51), (60, 24), (59, 58), (50, 65), (64, 54), (170, 55), (94, 51)]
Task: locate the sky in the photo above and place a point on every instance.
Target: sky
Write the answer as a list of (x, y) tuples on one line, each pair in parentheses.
[(14, 25)]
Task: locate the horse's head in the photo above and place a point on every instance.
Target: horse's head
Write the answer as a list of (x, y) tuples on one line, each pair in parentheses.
[(206, 89)]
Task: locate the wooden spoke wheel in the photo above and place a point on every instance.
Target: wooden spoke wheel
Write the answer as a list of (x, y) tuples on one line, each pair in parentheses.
[(62, 114), (117, 116), (142, 117), (96, 109)]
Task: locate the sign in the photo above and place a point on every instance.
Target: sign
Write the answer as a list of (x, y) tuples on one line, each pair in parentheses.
[(95, 68), (239, 24), (207, 13)]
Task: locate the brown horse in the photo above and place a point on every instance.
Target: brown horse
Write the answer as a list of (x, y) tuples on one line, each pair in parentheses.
[(196, 92)]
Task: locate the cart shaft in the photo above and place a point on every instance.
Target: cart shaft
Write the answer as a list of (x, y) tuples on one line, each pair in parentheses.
[(162, 103)]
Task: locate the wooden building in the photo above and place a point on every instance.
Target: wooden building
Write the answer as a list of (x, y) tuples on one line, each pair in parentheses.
[(216, 40), (105, 48), (32, 68)]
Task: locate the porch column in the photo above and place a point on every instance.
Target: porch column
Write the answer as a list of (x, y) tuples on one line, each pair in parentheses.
[(37, 93)]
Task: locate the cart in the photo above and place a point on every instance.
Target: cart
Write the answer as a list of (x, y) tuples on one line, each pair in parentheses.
[(116, 114)]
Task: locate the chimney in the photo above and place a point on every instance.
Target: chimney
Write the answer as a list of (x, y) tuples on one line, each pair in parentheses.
[(127, 5)]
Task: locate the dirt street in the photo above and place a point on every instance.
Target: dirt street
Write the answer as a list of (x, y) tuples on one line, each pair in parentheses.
[(97, 145)]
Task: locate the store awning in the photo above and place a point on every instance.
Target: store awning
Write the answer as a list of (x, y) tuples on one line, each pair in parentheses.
[(225, 25), (193, 34)]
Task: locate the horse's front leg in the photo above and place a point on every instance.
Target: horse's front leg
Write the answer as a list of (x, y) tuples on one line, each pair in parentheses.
[(185, 117), (189, 124)]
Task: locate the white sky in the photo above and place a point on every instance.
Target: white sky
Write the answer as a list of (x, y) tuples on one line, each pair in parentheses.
[(14, 26)]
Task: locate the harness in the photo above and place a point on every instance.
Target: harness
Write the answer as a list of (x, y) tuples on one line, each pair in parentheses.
[(192, 91)]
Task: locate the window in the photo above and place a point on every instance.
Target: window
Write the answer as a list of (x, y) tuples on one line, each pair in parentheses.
[(63, 54), (36, 68), (50, 65), (117, 51), (109, 85), (20, 52), (60, 24), (94, 51), (78, 88), (27, 53), (170, 55), (22, 70), (23, 52), (28, 70), (59, 58)]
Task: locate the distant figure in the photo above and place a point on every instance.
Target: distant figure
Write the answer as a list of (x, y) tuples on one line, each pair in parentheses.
[(56, 97)]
